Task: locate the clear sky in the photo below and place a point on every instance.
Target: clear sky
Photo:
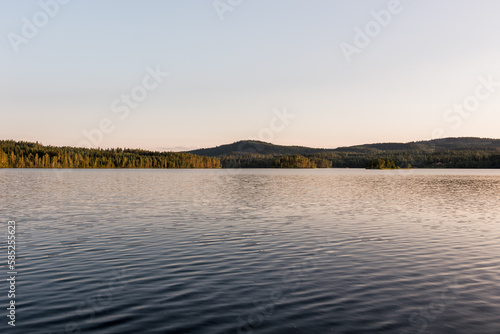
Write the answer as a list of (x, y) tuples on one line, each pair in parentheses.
[(348, 76)]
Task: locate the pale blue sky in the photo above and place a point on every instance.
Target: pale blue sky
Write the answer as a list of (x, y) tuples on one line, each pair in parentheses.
[(227, 76)]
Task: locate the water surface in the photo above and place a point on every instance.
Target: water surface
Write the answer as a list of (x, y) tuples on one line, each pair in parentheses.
[(262, 251)]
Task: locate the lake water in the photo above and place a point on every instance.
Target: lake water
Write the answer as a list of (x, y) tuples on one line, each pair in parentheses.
[(253, 251)]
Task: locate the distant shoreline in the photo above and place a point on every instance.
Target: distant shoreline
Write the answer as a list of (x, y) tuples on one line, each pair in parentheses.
[(459, 153)]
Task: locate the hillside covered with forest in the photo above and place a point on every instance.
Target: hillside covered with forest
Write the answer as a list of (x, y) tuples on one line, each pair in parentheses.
[(441, 153)]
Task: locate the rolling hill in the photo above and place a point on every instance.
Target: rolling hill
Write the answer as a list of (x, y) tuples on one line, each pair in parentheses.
[(252, 147), (440, 153)]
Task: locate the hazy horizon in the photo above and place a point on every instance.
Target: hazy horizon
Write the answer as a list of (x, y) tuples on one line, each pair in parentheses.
[(187, 149), (200, 74)]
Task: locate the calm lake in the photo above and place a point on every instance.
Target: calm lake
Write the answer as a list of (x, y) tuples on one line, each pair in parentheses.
[(253, 251)]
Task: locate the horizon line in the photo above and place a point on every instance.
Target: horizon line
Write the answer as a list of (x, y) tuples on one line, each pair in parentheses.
[(246, 140)]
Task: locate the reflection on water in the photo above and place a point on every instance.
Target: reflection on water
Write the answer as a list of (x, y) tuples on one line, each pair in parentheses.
[(262, 251)]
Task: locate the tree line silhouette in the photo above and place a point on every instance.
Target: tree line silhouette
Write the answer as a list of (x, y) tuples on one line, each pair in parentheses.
[(15, 154), (20, 154)]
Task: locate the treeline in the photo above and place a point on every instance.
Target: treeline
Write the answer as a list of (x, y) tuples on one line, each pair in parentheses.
[(273, 161), (33, 155), (381, 164), (412, 158), (388, 159), (294, 161)]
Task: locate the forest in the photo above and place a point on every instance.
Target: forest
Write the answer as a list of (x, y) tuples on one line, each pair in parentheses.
[(465, 152), (376, 160), (382, 164), (20, 154), (15, 154)]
